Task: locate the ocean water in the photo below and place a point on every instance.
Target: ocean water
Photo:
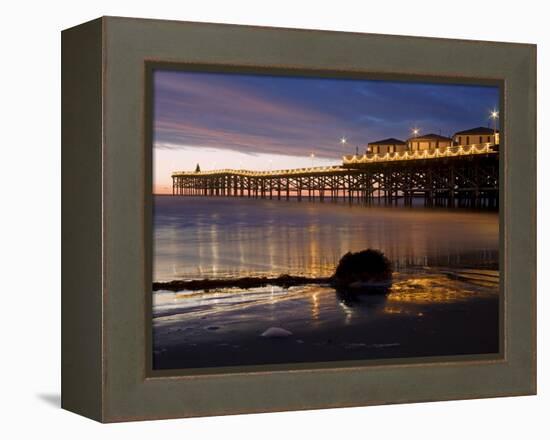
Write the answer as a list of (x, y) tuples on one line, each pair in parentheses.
[(444, 299), (197, 238)]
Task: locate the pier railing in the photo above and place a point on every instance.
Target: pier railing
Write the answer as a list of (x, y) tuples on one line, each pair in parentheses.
[(350, 160), (435, 153), (470, 179), (274, 173)]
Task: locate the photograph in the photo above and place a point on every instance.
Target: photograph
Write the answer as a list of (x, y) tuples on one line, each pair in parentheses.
[(302, 218)]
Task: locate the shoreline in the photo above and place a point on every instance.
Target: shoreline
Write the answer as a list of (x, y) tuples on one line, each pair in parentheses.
[(467, 274)]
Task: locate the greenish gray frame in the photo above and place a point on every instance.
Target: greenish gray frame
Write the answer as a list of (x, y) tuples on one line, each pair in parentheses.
[(106, 220)]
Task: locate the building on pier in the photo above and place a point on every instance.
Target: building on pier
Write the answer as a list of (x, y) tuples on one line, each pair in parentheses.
[(390, 145), (476, 136), (429, 141)]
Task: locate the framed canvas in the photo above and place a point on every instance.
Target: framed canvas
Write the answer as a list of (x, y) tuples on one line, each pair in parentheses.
[(263, 219)]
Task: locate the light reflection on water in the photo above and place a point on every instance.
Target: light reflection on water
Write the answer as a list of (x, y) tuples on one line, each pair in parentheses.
[(313, 306), (217, 237)]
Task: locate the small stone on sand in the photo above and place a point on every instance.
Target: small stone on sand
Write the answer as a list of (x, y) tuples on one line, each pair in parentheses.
[(391, 344), (276, 332)]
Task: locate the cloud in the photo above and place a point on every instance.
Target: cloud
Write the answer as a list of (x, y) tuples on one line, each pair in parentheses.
[(293, 115)]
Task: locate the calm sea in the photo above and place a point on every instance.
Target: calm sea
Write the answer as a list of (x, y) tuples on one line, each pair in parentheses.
[(443, 300), (234, 237)]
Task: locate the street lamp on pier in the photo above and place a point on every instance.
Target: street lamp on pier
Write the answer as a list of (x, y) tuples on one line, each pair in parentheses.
[(343, 142), (494, 117)]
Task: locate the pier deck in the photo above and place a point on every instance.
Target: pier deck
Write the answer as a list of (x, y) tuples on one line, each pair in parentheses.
[(454, 176)]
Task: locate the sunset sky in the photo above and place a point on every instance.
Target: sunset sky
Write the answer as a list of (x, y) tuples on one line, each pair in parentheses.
[(276, 122)]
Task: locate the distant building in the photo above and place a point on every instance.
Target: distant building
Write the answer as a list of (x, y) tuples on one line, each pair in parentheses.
[(384, 146), (428, 142), (478, 135)]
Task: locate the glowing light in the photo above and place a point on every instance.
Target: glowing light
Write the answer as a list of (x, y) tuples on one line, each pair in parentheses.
[(494, 117), (415, 131), (353, 159), (343, 141)]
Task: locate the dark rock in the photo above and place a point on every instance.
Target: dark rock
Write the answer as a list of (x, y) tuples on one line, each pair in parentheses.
[(368, 268)]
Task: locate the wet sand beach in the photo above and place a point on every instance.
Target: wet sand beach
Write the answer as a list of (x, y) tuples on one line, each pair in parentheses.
[(423, 315)]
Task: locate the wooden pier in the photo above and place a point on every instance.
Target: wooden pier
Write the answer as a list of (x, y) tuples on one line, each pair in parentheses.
[(452, 177)]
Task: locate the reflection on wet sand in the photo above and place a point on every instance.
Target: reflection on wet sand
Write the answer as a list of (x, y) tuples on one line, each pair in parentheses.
[(320, 317), (311, 301), (421, 315)]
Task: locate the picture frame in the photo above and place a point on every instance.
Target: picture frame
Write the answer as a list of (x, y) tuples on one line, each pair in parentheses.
[(107, 220)]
